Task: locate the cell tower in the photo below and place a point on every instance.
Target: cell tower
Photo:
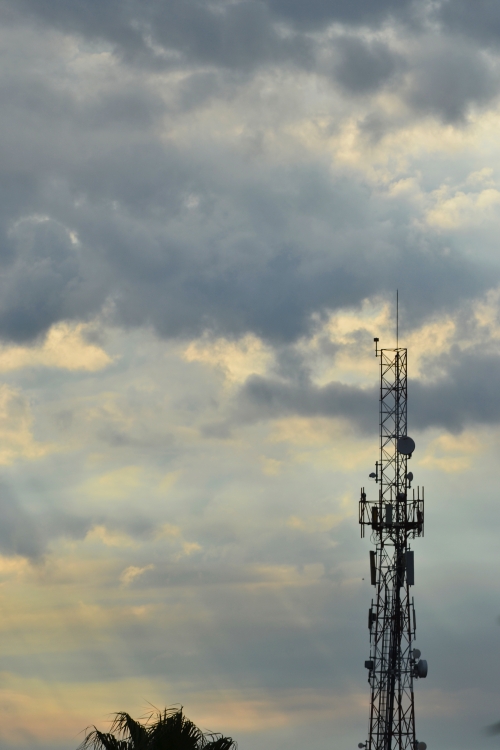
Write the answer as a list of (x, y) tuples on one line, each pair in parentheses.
[(395, 518)]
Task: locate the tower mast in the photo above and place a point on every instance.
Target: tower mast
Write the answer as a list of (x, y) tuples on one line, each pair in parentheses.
[(394, 519)]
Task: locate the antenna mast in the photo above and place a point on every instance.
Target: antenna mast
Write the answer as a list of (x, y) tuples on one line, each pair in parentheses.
[(394, 520), (397, 318)]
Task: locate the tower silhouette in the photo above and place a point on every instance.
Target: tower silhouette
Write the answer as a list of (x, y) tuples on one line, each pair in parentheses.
[(394, 519)]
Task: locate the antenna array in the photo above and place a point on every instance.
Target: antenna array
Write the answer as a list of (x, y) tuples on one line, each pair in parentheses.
[(394, 520)]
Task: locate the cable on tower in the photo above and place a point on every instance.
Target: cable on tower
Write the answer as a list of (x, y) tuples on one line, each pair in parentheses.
[(394, 519)]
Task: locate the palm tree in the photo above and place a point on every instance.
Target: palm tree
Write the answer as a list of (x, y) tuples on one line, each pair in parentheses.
[(164, 730)]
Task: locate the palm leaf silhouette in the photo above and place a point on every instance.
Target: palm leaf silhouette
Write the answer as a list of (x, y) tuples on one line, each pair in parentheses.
[(163, 730)]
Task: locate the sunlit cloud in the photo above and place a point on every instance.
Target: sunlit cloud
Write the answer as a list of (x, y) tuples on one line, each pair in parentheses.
[(236, 360), (132, 572), (109, 538), (63, 347), (451, 453)]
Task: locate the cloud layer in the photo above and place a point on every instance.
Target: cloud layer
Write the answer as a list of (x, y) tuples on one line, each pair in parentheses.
[(119, 198)]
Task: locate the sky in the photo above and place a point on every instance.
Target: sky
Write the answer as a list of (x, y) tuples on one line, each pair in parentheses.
[(206, 208)]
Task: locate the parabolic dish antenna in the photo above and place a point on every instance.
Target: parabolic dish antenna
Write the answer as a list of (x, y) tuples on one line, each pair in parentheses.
[(406, 445)]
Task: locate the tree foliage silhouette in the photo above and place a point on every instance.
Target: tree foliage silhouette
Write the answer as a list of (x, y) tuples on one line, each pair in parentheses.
[(165, 730)]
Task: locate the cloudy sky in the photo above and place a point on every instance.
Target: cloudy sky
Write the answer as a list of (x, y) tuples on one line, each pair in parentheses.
[(205, 210)]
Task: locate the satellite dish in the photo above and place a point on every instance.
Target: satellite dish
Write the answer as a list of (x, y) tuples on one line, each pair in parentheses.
[(421, 746), (406, 445), (422, 668), (417, 653)]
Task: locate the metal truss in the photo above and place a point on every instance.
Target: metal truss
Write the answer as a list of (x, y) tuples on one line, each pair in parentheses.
[(394, 519)]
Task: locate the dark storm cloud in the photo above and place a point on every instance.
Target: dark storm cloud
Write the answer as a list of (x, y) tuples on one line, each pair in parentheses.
[(264, 398), (101, 210), (364, 66), (234, 35), (42, 281), (465, 395), (248, 35), (440, 76), (110, 20), (319, 13), (238, 35), (479, 19), (274, 291), (257, 279), (235, 259), (202, 28), (448, 77)]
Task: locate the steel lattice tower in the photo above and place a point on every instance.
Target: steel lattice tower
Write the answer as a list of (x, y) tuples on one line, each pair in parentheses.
[(394, 520)]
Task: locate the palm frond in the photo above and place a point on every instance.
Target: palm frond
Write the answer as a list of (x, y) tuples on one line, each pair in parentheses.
[(219, 742), (96, 740), (171, 729), (132, 730), (163, 730)]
